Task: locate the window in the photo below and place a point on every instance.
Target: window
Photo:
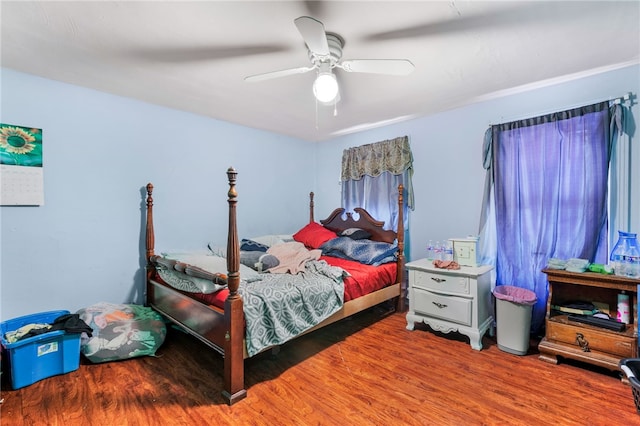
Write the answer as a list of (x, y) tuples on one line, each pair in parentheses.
[(371, 175), (546, 195)]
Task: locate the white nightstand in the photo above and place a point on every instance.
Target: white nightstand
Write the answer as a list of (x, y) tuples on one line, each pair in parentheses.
[(451, 300)]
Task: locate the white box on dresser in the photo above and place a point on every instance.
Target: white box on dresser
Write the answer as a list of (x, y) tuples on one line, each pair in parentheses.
[(451, 300)]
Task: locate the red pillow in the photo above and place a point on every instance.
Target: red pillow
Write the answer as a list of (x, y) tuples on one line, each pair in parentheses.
[(314, 235)]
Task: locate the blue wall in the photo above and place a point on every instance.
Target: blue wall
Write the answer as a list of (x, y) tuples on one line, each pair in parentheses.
[(85, 244), (447, 149)]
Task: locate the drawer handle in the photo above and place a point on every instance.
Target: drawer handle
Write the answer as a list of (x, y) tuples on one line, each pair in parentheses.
[(439, 305), (582, 342), (438, 280)]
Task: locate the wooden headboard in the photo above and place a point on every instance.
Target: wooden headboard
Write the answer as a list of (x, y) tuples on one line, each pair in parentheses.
[(339, 220), (336, 222)]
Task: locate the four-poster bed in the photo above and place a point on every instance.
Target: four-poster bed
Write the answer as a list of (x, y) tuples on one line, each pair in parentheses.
[(219, 320)]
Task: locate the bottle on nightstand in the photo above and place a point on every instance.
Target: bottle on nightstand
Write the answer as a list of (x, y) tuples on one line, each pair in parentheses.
[(448, 251), (437, 251), (430, 249)]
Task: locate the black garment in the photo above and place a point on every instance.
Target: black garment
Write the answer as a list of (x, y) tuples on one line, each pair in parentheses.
[(70, 323)]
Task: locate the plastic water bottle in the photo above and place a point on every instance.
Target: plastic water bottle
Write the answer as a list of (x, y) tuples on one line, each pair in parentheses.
[(430, 250), (448, 251), (625, 256), (437, 251)]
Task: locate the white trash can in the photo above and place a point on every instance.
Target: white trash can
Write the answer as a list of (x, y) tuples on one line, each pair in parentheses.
[(513, 318)]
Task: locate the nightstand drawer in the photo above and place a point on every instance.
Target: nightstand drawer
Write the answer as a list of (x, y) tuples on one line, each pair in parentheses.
[(440, 282), (590, 338), (450, 308)]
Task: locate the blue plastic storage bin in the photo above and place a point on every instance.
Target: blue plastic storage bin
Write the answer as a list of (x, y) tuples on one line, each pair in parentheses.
[(35, 358)]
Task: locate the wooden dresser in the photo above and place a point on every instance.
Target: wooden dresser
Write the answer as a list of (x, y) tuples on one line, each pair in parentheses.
[(594, 345)]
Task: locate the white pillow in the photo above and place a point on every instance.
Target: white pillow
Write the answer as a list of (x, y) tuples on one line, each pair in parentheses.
[(271, 240)]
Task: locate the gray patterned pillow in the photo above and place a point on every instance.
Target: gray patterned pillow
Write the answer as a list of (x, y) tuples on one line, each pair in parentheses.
[(208, 263), (187, 283), (258, 260)]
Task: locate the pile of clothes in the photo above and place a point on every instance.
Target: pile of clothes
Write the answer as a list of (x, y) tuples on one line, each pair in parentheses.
[(70, 323)]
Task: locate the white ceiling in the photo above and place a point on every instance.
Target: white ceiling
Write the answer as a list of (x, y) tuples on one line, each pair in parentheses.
[(193, 56)]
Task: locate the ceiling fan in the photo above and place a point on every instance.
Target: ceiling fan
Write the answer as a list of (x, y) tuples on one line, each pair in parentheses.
[(325, 54)]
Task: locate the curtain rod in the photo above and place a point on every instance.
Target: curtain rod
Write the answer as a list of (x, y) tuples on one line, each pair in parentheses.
[(622, 99), (628, 97)]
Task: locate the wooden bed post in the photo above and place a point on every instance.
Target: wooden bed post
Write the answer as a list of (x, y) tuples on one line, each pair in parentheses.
[(150, 239), (234, 389), (149, 246), (401, 260), (311, 205)]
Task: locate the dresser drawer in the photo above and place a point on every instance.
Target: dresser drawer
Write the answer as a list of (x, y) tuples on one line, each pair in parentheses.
[(450, 308), (596, 340), (439, 282)]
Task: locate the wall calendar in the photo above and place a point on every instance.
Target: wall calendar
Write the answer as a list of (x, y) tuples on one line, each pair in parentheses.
[(21, 172)]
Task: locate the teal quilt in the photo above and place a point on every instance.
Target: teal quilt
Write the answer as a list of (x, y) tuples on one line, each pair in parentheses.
[(279, 307)]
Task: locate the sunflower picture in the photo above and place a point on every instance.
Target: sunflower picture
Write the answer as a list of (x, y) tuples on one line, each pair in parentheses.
[(20, 146)]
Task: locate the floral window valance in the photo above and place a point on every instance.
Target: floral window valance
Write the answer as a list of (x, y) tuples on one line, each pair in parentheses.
[(393, 156)]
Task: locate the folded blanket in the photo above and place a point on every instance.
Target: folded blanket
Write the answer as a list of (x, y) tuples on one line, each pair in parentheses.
[(555, 263), (577, 265), (292, 256)]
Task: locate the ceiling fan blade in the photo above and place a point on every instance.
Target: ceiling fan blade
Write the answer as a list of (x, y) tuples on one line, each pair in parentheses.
[(313, 33), (277, 74), (379, 66)]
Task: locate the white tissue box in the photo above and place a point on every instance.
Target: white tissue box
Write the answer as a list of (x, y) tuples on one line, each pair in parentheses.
[(465, 251)]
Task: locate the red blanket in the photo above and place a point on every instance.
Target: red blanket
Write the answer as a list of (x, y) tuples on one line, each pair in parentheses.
[(364, 279)]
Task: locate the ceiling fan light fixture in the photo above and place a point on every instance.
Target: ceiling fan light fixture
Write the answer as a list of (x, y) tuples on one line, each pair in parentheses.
[(325, 87)]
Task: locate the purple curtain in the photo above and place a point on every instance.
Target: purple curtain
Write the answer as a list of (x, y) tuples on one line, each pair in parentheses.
[(550, 178)]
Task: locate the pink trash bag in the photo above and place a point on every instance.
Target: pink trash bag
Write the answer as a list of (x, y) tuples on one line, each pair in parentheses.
[(515, 294)]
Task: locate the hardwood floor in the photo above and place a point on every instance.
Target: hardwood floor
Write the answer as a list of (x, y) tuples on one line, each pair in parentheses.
[(367, 370)]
